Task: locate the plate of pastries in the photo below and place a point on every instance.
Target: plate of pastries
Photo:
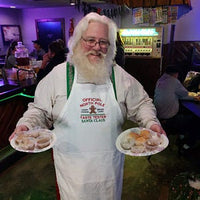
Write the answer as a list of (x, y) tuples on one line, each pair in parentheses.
[(33, 141), (141, 142)]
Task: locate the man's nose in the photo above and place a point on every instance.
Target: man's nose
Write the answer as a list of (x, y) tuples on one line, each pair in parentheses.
[(97, 46)]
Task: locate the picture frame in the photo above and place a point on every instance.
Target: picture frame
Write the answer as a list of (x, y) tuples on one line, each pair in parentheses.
[(11, 33), (49, 30)]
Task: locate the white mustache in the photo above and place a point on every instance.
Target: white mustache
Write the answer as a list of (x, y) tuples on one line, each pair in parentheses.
[(96, 53)]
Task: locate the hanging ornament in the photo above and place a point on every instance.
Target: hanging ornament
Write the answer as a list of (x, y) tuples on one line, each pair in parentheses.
[(112, 13), (89, 8), (77, 5), (71, 27), (104, 12), (115, 12), (84, 8), (108, 12), (99, 11), (94, 9)]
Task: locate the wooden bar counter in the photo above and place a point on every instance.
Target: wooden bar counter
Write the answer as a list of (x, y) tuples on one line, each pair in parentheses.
[(14, 99)]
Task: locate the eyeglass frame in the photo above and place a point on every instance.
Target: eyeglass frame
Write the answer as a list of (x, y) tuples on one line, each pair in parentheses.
[(107, 43)]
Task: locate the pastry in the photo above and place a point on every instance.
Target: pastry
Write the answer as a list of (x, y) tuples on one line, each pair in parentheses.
[(25, 143), (43, 141), (145, 134), (128, 140), (138, 149), (140, 141)]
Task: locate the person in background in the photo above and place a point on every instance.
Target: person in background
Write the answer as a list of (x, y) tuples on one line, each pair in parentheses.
[(37, 52), (10, 56), (62, 43), (120, 56), (55, 56), (168, 92), (86, 110), (193, 85)]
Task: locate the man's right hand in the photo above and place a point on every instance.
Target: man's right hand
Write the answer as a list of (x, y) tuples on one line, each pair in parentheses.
[(18, 129)]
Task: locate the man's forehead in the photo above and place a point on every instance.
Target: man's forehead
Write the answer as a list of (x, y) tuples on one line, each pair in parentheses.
[(97, 28)]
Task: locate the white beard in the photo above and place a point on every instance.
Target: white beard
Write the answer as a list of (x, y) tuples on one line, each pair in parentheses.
[(97, 73)]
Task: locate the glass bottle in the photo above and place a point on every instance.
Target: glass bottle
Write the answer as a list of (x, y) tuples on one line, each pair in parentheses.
[(21, 55)]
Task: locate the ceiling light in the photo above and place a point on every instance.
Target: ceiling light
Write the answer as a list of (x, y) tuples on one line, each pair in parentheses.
[(12, 6), (72, 2)]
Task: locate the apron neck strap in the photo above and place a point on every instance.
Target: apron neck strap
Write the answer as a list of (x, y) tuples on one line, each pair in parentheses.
[(112, 77), (70, 79)]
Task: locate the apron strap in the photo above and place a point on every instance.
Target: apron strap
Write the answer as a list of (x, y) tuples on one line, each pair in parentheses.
[(70, 79), (113, 82)]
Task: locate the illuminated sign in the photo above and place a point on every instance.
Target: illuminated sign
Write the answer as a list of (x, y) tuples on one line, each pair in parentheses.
[(138, 32)]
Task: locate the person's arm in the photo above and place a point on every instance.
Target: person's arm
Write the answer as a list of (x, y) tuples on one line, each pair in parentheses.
[(139, 107), (182, 92), (142, 109), (39, 113), (45, 61), (11, 60)]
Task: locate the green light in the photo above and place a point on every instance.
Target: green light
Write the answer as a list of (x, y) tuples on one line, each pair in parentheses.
[(15, 95), (138, 32), (26, 95)]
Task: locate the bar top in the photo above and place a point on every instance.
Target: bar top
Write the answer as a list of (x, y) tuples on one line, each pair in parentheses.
[(193, 106), (12, 88)]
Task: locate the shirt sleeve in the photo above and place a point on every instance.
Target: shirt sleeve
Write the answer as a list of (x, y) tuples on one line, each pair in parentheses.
[(39, 113), (11, 60), (139, 107), (182, 92)]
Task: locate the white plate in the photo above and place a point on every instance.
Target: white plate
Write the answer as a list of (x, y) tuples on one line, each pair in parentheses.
[(35, 150), (159, 148)]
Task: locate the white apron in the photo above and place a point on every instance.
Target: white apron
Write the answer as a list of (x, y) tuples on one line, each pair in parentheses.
[(88, 165)]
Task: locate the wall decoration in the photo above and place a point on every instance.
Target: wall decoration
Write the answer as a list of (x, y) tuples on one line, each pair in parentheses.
[(11, 33), (156, 15), (151, 3), (49, 30), (137, 15)]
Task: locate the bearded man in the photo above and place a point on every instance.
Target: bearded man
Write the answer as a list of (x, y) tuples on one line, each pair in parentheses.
[(86, 101)]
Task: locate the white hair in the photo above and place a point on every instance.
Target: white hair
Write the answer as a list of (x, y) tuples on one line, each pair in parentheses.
[(82, 27)]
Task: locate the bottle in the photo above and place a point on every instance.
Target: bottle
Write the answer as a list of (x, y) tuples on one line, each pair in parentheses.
[(21, 55)]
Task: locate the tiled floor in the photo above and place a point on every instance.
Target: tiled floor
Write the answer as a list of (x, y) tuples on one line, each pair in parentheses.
[(33, 177)]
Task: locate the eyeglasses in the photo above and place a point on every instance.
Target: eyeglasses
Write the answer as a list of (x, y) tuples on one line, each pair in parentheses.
[(91, 42)]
